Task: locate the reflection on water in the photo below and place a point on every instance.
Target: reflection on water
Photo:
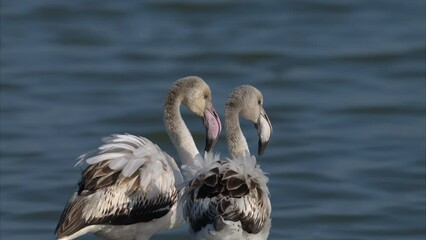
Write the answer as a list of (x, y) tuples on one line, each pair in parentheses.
[(343, 82)]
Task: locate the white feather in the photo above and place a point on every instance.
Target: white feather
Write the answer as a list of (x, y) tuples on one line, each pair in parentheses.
[(118, 163), (103, 157), (132, 165), (200, 165), (123, 146)]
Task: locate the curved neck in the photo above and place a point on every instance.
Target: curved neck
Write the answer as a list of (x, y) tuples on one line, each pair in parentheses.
[(176, 128), (237, 144)]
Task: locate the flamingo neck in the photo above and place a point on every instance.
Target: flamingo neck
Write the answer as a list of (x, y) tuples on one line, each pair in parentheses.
[(237, 144), (177, 130)]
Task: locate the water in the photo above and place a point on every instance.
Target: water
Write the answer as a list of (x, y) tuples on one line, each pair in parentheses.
[(344, 86)]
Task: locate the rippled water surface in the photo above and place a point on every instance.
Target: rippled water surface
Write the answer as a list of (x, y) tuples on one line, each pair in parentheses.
[(344, 86)]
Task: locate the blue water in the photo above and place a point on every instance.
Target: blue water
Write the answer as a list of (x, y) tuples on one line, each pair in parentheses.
[(343, 82)]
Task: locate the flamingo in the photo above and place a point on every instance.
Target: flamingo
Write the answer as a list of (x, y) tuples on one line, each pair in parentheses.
[(131, 188), (229, 199)]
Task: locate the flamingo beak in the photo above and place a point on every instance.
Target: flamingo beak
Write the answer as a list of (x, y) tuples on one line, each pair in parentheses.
[(213, 127), (264, 130)]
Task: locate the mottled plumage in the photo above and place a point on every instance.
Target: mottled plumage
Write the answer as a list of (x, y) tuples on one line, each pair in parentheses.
[(129, 180), (231, 190)]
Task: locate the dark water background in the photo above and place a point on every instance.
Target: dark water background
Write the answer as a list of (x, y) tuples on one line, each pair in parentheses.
[(344, 86)]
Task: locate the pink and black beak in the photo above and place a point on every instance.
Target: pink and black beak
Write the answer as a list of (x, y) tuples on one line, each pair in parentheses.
[(213, 126), (264, 130)]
